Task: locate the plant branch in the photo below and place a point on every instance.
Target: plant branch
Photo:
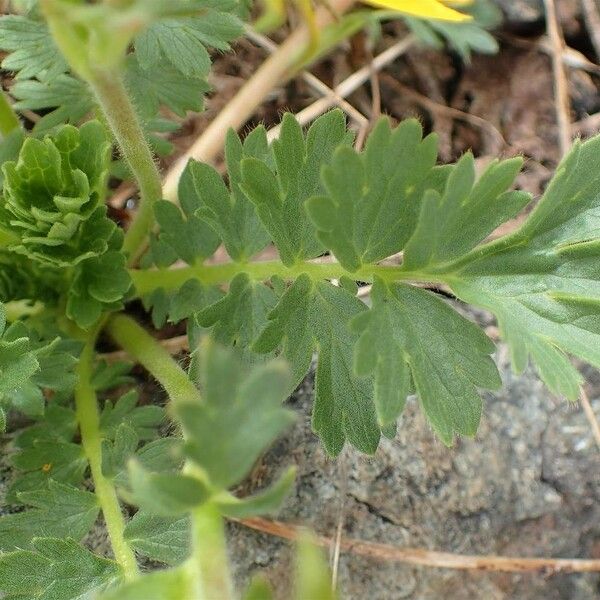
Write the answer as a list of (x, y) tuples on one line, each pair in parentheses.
[(120, 114), (209, 565), (145, 349), (172, 279), (126, 127), (431, 558), (88, 417)]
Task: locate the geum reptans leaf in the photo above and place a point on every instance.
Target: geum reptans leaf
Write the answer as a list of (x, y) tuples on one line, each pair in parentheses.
[(53, 196), (55, 569), (543, 281), (314, 316), (279, 194), (228, 211), (240, 416), (410, 335), (31, 49), (58, 511), (373, 199), (239, 317)]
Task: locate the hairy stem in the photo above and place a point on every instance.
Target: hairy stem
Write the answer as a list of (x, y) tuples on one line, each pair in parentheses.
[(122, 119), (210, 552), (126, 127), (9, 120), (152, 356), (209, 565), (172, 279), (88, 417)]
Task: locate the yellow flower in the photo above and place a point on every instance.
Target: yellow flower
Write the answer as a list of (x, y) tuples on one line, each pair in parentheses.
[(428, 9)]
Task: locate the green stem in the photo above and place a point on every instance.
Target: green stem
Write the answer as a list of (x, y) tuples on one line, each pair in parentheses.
[(172, 279), (152, 356), (126, 127), (122, 118), (88, 417), (209, 565), (210, 553), (9, 120)]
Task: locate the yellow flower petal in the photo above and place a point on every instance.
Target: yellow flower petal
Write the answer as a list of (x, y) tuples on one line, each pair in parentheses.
[(428, 9)]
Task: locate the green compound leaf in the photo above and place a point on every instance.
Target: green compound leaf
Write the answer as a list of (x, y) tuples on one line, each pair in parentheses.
[(279, 195), (164, 539), (18, 363), (374, 198), (182, 42), (241, 415), (410, 334), (314, 316), (163, 86), (55, 569), (542, 282), (59, 511), (32, 51), (454, 222), (68, 99), (238, 318), (230, 213)]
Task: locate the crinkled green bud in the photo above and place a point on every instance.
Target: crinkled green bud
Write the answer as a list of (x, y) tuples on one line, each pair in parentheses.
[(53, 193)]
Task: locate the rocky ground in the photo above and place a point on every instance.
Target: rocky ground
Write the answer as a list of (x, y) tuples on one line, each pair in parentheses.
[(527, 485)]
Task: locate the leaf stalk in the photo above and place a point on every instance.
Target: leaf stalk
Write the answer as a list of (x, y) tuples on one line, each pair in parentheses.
[(88, 416)]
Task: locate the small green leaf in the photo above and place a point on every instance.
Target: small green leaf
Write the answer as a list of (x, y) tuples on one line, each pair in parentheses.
[(31, 49), (265, 502), (182, 42), (164, 539), (411, 334), (315, 316), (143, 420), (165, 494), (373, 199), (59, 511), (230, 213), (239, 418), (279, 195), (239, 317), (57, 570)]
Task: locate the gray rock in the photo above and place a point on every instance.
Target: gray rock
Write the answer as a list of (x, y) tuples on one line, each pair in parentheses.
[(527, 486)]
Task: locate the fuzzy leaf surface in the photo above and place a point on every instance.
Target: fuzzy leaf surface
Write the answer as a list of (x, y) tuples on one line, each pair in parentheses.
[(55, 570), (543, 282), (373, 199), (279, 193), (229, 211), (241, 415), (411, 335), (31, 49), (59, 511), (314, 316), (165, 539)]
